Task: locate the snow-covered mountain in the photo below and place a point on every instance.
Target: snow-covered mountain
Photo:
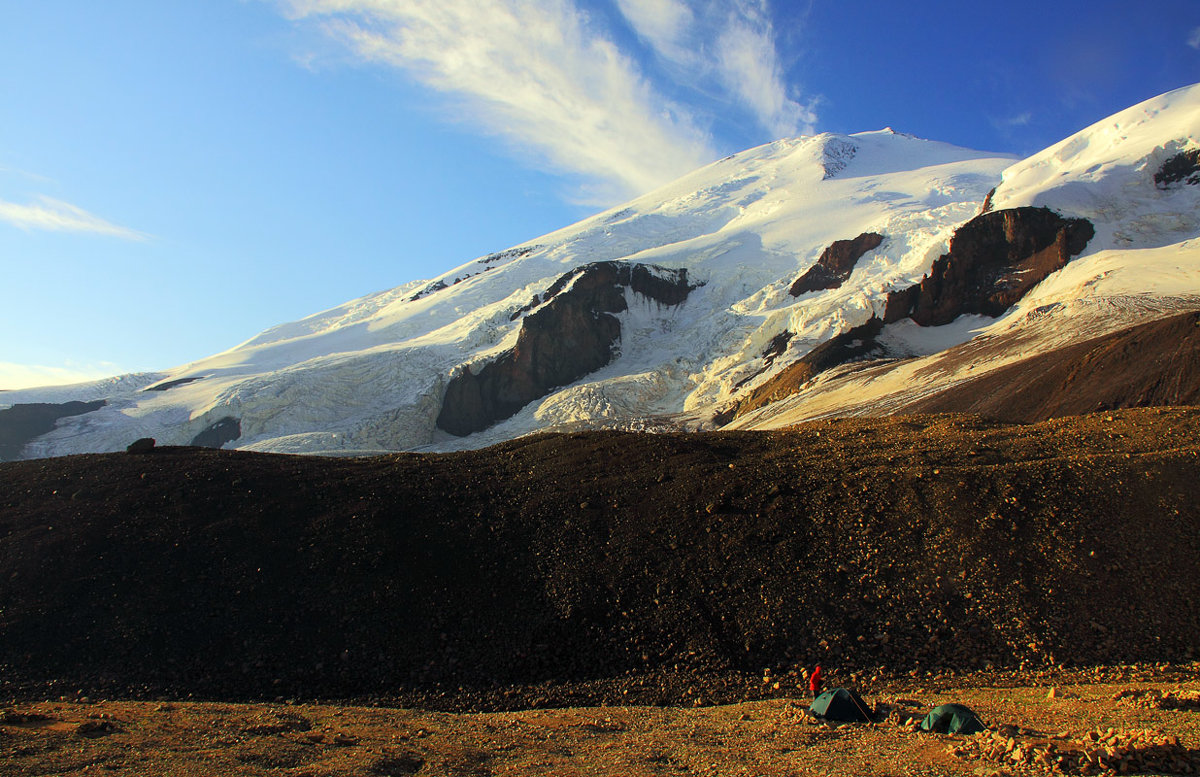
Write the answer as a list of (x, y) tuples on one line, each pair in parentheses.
[(746, 293), (1135, 179)]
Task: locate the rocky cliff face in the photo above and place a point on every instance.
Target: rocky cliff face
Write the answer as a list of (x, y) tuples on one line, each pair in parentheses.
[(570, 331), (994, 260), (835, 264)]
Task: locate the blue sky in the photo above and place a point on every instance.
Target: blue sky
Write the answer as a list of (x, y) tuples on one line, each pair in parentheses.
[(177, 175)]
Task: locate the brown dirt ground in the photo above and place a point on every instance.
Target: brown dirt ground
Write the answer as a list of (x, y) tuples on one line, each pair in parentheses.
[(602, 568), (765, 738)]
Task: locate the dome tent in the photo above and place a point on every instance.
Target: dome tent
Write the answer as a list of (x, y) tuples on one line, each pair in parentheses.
[(841, 704), (952, 719)]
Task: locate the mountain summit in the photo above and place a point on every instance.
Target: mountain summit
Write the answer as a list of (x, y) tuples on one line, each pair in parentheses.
[(814, 276)]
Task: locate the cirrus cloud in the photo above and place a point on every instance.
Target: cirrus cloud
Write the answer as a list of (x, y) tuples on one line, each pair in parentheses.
[(730, 44), (537, 73), (49, 214)]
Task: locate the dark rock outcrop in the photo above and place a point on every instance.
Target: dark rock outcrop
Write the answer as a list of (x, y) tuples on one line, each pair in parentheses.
[(170, 384), (835, 264), (773, 351), (855, 344), (570, 332), (987, 201), (21, 424), (226, 430), (1184, 166), (994, 260), (776, 347), (431, 288)]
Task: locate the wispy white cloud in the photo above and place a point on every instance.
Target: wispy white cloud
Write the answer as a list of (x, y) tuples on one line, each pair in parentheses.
[(668, 26), (1194, 38), (46, 213), (15, 376), (729, 43), (535, 72), (1020, 120), (35, 177)]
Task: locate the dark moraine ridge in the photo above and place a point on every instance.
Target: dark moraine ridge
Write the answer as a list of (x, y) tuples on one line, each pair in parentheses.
[(571, 332), (603, 567)]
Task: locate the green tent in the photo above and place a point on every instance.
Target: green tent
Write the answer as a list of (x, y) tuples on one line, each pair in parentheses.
[(841, 704), (952, 719)]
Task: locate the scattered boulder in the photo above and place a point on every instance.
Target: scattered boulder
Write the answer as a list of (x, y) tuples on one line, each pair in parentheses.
[(1101, 751), (13, 718), (142, 445), (93, 729), (403, 765)]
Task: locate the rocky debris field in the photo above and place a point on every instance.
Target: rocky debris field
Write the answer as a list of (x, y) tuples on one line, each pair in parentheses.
[(605, 568), (1053, 722)]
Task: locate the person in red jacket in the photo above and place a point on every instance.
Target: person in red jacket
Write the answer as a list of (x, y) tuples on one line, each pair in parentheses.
[(814, 681)]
